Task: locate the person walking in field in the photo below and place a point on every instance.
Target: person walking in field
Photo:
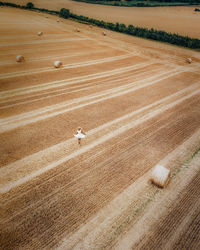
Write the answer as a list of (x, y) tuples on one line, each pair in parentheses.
[(80, 134)]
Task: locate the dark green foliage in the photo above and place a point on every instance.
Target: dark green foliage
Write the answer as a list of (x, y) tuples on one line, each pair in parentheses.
[(48, 11), (140, 4), (196, 9), (9, 4), (152, 34), (30, 5), (122, 28), (64, 13), (111, 26), (143, 3)]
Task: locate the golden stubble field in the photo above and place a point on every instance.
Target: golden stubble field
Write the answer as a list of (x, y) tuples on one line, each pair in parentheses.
[(139, 103), (182, 20)]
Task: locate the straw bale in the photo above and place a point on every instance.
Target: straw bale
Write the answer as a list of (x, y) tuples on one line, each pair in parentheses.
[(57, 64), (20, 58), (160, 176), (40, 33), (189, 60)]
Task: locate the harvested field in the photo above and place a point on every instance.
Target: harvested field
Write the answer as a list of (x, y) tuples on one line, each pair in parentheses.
[(180, 19), (139, 104)]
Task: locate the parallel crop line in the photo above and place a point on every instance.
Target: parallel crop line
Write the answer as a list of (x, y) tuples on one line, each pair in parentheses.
[(55, 56), (17, 121), (90, 231), (57, 147), (74, 80), (67, 90), (184, 223), (28, 35), (102, 139), (46, 41), (68, 66), (38, 50)]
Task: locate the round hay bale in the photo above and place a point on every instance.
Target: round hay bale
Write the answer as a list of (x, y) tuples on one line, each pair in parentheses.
[(20, 58), (57, 20), (40, 33), (189, 60), (46, 16), (78, 30), (104, 33), (160, 176), (57, 64)]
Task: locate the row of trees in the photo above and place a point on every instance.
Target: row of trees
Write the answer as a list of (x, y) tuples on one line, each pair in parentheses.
[(29, 6), (65, 13), (143, 3), (152, 34), (183, 1)]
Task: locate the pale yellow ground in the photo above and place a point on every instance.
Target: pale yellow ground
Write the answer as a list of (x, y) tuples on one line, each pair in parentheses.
[(139, 104), (181, 20)]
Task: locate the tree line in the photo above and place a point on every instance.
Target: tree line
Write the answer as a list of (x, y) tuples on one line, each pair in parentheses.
[(153, 34), (142, 3)]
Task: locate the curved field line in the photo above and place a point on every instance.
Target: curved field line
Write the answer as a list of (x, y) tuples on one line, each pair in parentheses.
[(115, 44), (34, 116), (74, 80), (68, 66), (164, 56), (102, 139)]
